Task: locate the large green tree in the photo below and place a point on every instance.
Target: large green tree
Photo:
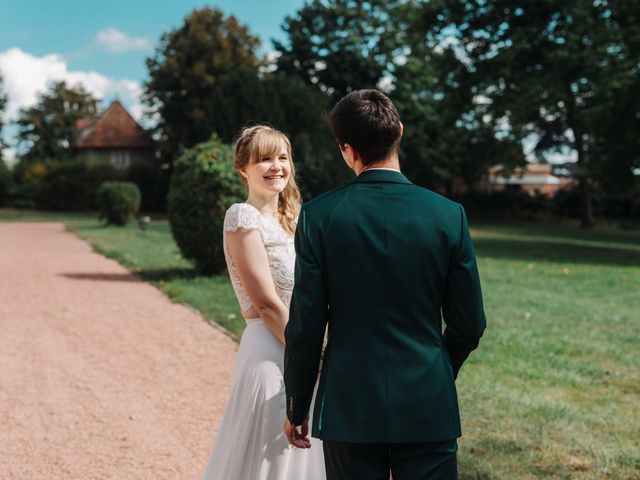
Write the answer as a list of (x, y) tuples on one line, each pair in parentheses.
[(561, 72), (448, 135), (191, 73), (206, 77), (47, 130), (3, 104), (341, 45)]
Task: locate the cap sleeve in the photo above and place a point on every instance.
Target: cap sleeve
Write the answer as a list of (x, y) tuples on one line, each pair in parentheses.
[(241, 215)]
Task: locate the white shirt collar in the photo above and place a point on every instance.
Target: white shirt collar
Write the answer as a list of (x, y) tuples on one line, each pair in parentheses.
[(381, 168)]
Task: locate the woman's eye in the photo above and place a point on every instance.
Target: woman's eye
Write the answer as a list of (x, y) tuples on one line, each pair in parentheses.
[(266, 159)]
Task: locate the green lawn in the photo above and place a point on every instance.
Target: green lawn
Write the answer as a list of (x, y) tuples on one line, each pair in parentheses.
[(554, 389), (553, 392)]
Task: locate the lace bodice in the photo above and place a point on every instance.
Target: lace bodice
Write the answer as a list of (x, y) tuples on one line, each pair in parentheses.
[(277, 242)]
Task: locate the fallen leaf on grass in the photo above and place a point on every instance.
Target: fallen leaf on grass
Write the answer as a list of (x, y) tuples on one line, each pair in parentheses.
[(579, 463)]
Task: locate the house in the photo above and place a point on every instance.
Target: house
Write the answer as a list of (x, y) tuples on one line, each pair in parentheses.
[(534, 179), (114, 138)]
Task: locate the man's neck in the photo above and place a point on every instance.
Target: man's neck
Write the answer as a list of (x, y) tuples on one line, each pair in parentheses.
[(392, 164)]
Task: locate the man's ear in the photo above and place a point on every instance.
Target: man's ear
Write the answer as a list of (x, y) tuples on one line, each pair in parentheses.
[(351, 152), (401, 129)]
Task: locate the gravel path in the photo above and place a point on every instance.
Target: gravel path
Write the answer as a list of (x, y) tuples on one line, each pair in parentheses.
[(101, 376)]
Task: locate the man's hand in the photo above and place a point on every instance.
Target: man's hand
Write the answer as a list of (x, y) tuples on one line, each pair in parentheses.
[(298, 436)]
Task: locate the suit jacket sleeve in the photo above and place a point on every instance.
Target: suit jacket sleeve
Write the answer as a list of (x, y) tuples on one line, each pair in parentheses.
[(304, 333), (462, 308)]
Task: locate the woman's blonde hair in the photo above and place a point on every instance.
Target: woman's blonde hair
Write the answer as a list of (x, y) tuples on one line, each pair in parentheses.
[(254, 143)]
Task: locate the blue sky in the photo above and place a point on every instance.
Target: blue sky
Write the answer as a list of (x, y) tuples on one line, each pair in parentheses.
[(103, 45)]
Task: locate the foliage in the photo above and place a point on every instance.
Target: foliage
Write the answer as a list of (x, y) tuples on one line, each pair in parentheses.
[(48, 128), (557, 72), (6, 182), (153, 183), (506, 205), (3, 104), (222, 91), (447, 135), (57, 185), (118, 202), (341, 45), (203, 186), (71, 185), (187, 73)]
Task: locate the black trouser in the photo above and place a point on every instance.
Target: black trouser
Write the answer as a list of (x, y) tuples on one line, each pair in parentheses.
[(405, 461)]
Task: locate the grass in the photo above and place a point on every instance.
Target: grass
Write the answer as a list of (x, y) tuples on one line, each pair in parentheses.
[(552, 392)]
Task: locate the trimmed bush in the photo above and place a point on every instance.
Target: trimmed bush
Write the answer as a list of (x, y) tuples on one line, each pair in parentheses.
[(71, 185), (6, 183), (505, 205), (118, 202), (64, 184), (203, 186)]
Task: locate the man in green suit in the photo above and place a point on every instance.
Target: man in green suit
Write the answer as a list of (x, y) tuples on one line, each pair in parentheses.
[(382, 262)]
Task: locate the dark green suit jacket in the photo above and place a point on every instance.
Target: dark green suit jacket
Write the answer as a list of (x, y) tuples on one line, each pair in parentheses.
[(382, 262)]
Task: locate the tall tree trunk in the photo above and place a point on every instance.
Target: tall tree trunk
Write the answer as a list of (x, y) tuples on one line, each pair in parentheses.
[(587, 206), (583, 180)]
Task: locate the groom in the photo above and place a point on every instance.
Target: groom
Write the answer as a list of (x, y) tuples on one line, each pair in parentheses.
[(382, 262)]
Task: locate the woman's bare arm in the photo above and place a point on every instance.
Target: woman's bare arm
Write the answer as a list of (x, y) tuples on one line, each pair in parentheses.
[(252, 265)]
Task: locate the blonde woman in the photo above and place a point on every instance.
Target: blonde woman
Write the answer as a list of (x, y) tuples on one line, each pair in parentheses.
[(258, 246)]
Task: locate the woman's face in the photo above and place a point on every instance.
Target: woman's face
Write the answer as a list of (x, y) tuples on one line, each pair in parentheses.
[(270, 174)]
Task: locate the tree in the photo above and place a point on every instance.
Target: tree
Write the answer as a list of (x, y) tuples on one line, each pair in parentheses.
[(188, 75), (6, 182), (3, 104), (341, 45), (447, 134), (48, 128), (205, 78), (557, 71)]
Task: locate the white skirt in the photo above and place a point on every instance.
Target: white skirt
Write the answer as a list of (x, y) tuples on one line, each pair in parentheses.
[(250, 444)]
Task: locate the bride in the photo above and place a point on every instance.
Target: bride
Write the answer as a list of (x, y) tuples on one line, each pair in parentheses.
[(258, 247)]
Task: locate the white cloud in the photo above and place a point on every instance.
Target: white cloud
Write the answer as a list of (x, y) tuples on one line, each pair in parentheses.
[(115, 41), (26, 76)]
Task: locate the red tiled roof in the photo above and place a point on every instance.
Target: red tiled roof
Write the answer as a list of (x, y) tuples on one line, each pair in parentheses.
[(115, 128)]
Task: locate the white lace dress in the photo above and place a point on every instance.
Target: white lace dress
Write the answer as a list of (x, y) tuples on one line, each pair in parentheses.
[(250, 444)]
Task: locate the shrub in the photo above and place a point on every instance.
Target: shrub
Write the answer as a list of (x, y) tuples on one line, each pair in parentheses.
[(118, 202), (22, 195), (203, 186), (71, 185), (6, 183), (63, 184), (505, 205), (153, 183), (567, 202)]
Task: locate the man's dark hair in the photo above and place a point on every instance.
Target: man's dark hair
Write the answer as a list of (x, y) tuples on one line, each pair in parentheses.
[(369, 122)]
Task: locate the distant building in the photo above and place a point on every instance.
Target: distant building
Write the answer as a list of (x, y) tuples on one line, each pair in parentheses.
[(114, 138), (534, 179)]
